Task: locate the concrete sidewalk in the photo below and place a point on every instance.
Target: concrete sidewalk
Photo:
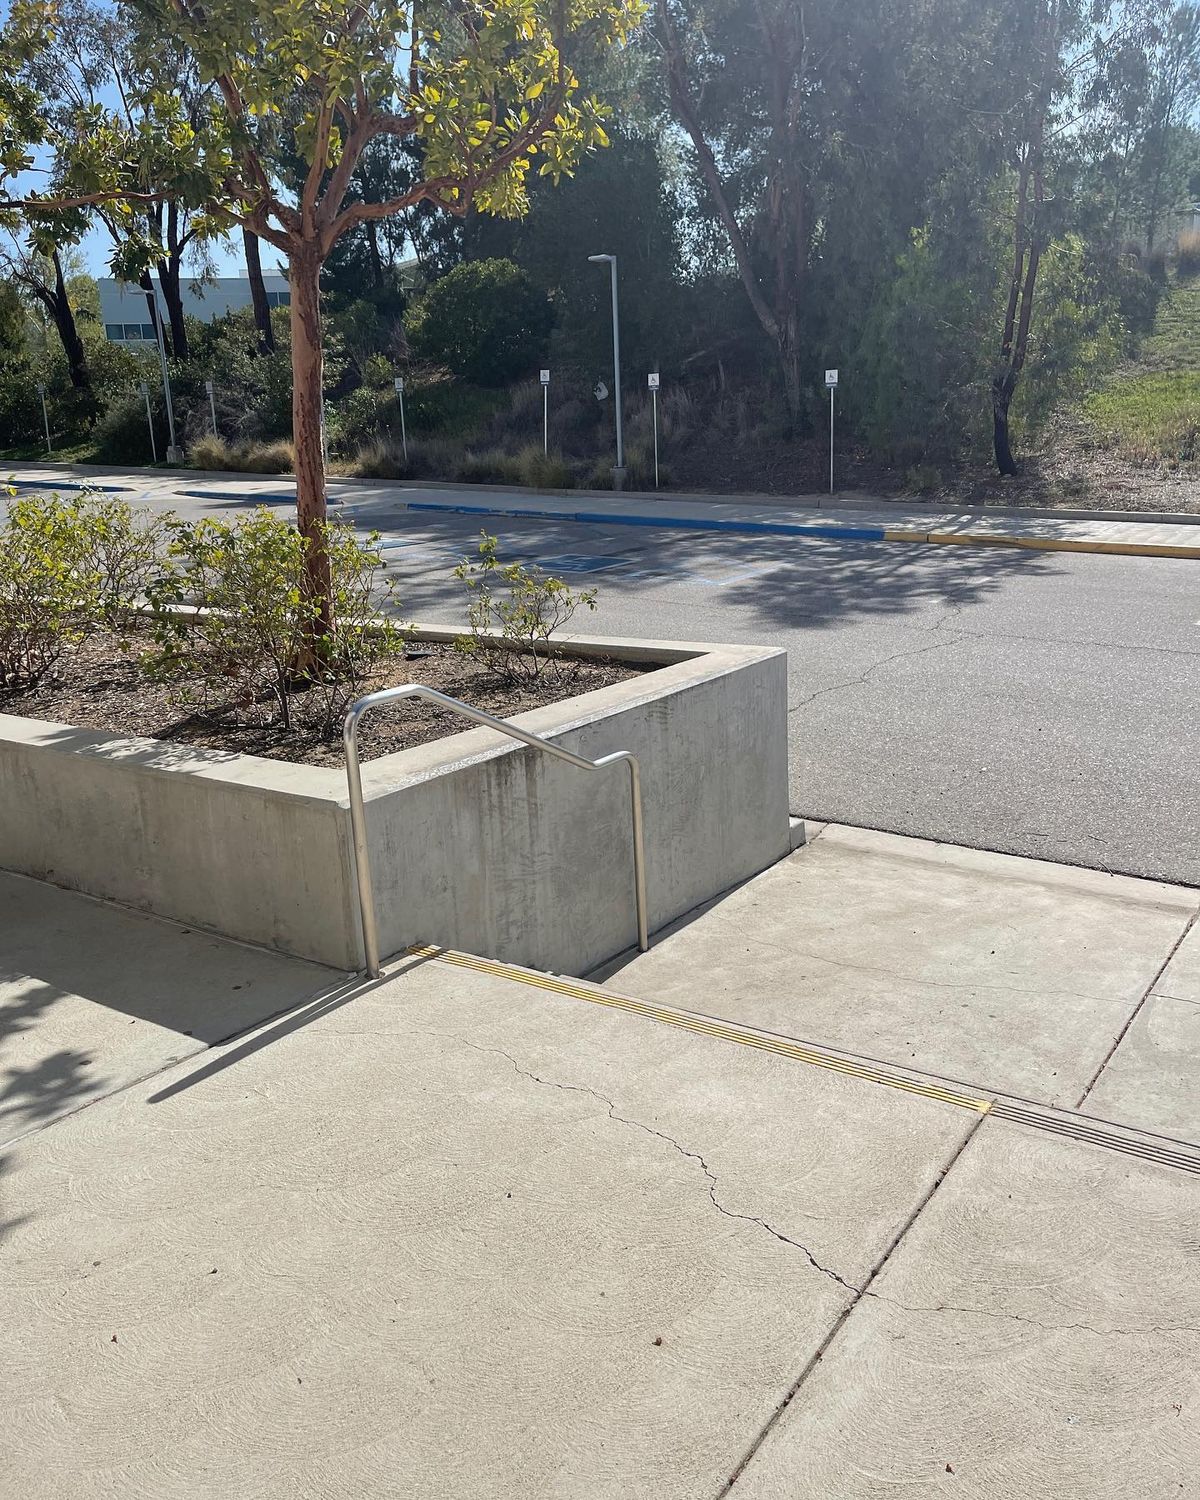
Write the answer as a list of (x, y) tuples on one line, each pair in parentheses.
[(731, 1224), (1041, 982), (857, 518)]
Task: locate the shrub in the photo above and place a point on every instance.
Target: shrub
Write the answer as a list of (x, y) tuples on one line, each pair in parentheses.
[(639, 467), (245, 640), (923, 479), (544, 471), (363, 415), (485, 321), (122, 549), (511, 630), (122, 435), (491, 467), (1156, 266), (50, 593), (210, 452), (1187, 255)]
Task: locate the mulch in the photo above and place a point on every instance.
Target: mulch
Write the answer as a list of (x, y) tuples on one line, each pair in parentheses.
[(100, 686)]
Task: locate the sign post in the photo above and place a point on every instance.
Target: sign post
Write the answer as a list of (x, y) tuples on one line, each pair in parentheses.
[(655, 380), (45, 414), (145, 390), (546, 411), (831, 380), (403, 426), (212, 405)]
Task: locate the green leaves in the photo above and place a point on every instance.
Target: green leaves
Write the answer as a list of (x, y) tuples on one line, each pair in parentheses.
[(232, 615), (486, 85), (514, 611), (67, 567)]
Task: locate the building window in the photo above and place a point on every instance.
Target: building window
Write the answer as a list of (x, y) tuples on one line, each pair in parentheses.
[(279, 299), (115, 333)]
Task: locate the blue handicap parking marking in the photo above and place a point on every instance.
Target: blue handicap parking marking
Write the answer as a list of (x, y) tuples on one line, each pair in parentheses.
[(579, 562)]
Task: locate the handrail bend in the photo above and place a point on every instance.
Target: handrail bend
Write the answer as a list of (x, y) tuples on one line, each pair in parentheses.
[(358, 813)]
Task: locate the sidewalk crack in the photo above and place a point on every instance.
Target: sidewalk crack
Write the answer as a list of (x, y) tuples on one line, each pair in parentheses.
[(710, 1176), (1007, 1317)]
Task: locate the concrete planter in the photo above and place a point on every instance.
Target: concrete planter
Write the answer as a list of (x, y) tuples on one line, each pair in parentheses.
[(476, 843)]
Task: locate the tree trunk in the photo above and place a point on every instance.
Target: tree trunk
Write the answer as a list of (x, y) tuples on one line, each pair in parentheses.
[(68, 333), (308, 436), (376, 259), (169, 281), (1001, 400), (258, 292), (147, 286)]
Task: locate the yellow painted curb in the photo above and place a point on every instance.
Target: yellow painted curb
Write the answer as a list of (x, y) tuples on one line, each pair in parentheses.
[(702, 1026), (1041, 544)]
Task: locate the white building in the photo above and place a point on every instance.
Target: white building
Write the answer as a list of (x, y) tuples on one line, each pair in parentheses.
[(125, 313)]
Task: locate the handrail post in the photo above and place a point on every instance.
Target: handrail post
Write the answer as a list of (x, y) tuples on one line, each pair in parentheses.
[(358, 832), (639, 854), (358, 812)]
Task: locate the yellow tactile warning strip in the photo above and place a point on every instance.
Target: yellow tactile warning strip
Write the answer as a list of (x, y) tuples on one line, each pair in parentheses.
[(1128, 1140), (685, 1021)]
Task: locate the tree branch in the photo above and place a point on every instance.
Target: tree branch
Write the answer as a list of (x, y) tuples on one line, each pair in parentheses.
[(685, 111)]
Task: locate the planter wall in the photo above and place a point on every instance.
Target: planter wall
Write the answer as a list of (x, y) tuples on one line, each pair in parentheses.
[(477, 843)]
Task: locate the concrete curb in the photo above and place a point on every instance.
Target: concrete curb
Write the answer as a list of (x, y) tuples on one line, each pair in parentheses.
[(831, 532), (1041, 543)]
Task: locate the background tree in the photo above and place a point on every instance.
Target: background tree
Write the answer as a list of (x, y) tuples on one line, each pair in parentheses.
[(485, 320), (486, 87), (1173, 76), (36, 266)]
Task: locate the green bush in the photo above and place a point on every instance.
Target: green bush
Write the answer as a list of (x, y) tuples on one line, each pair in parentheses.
[(514, 610), (244, 642), (122, 435), (544, 471), (485, 321), (66, 568), (362, 416)]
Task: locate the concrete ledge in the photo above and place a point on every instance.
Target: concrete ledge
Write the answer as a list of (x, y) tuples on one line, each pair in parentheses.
[(477, 843)]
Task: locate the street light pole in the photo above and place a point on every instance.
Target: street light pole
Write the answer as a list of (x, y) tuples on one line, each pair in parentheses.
[(611, 262)]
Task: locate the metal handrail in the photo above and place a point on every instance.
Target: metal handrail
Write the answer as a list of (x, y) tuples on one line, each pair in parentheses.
[(358, 813)]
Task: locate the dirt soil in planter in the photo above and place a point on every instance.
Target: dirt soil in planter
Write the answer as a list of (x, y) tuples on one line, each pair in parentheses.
[(100, 687)]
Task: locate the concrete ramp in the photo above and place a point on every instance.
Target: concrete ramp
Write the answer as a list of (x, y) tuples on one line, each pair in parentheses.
[(1009, 974), (473, 1232)]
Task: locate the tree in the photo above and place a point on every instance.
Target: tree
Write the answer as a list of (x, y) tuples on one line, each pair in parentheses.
[(486, 85), (1067, 61), (619, 202), (817, 129), (258, 291), (37, 268), (485, 320), (1174, 75)]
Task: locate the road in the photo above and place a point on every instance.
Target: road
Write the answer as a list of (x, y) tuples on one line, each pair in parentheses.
[(1045, 704)]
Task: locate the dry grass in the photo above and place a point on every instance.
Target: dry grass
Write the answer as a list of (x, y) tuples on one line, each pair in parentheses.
[(211, 452)]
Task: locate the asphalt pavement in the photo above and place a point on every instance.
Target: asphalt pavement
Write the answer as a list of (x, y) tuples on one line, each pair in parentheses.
[(1036, 703)]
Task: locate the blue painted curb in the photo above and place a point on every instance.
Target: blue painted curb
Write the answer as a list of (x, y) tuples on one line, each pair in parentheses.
[(66, 484)]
